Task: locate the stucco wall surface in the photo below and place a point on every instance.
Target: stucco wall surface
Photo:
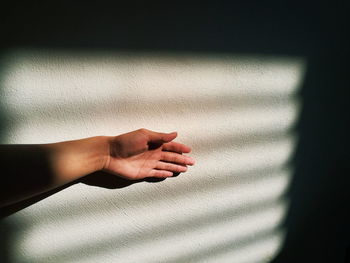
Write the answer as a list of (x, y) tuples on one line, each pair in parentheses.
[(236, 112)]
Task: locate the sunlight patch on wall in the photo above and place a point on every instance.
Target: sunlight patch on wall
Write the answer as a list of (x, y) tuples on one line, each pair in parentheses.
[(81, 89), (237, 112), (226, 198)]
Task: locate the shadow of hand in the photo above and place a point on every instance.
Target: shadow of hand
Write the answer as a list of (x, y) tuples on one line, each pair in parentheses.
[(110, 181), (99, 179)]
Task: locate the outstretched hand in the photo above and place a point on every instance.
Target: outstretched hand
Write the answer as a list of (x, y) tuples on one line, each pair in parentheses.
[(133, 156), (144, 153)]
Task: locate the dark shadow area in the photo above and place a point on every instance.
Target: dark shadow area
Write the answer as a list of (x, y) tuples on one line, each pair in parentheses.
[(7, 235), (7, 230), (18, 164), (99, 179), (110, 181), (13, 208), (317, 222), (280, 27)]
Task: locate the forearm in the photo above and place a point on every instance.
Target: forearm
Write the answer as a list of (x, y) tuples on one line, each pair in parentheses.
[(28, 170), (71, 160)]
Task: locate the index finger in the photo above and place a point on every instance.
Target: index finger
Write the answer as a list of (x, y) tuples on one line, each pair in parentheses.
[(176, 147)]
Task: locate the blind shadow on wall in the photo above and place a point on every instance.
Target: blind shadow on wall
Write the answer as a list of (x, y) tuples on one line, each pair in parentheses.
[(223, 213), (233, 203)]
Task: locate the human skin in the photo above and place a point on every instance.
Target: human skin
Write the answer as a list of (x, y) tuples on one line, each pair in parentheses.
[(135, 155)]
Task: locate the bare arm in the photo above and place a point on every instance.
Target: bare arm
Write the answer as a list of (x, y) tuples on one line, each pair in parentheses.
[(28, 170)]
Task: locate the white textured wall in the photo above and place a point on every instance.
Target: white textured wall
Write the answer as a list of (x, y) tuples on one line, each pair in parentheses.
[(236, 113)]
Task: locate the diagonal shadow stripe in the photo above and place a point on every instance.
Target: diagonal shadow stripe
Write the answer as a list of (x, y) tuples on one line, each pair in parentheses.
[(204, 183), (210, 219), (130, 107), (233, 246)]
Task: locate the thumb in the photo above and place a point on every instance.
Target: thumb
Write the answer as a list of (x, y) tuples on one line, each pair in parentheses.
[(158, 137)]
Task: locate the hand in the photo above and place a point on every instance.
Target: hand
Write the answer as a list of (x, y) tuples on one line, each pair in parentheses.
[(143, 153)]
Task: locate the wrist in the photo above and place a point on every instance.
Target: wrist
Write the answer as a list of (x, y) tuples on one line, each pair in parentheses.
[(71, 160), (104, 152), (100, 156)]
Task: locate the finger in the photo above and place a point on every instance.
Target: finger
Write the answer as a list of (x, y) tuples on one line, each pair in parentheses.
[(160, 173), (158, 137), (177, 158), (176, 147), (171, 167)]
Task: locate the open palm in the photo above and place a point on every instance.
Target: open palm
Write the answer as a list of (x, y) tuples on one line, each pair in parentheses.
[(143, 153)]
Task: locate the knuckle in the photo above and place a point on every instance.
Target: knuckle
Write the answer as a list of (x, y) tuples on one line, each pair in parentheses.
[(174, 158)]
